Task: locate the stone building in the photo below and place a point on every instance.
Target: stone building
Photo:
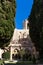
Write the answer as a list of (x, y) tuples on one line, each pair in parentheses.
[(20, 39)]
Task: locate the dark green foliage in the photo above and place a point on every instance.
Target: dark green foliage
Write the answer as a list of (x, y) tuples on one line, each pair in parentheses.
[(6, 55), (7, 25), (36, 24)]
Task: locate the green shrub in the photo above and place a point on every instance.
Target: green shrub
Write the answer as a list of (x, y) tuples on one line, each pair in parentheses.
[(6, 55)]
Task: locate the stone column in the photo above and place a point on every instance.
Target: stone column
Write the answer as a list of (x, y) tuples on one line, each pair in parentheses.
[(11, 53), (1, 52)]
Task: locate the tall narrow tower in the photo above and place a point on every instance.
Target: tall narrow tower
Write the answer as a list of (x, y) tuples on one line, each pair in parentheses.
[(26, 24)]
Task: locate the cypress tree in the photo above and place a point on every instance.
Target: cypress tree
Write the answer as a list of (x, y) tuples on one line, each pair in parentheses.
[(7, 25)]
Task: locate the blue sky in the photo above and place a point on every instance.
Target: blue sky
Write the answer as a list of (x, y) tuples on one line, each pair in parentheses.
[(23, 9)]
